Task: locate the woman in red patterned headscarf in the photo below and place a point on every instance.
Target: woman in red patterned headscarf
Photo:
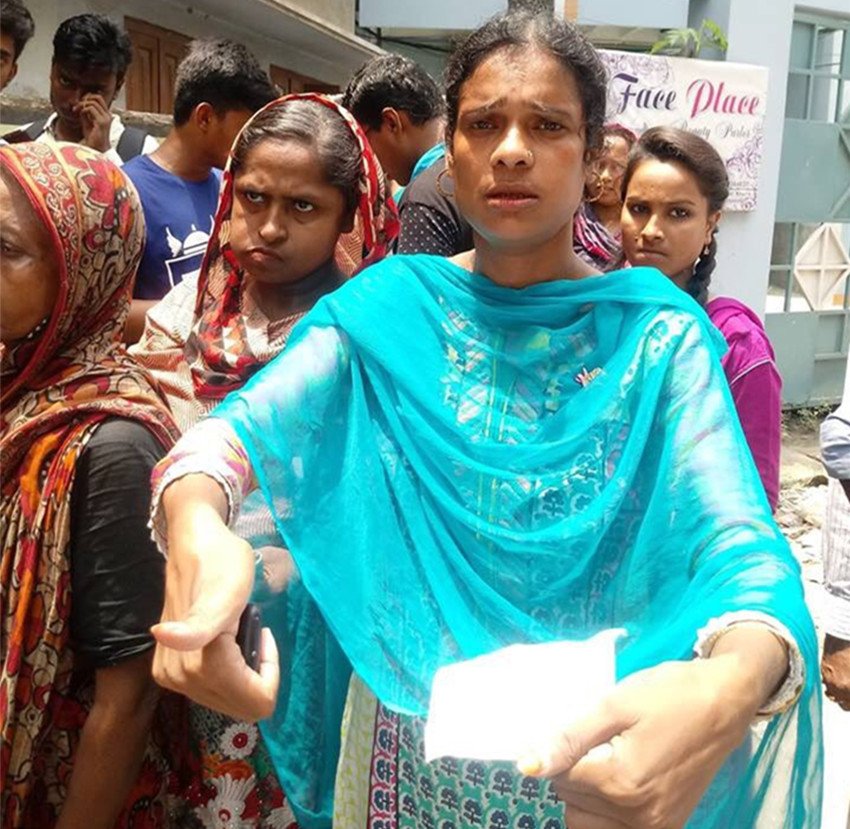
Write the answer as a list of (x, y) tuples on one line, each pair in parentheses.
[(304, 206), (81, 428)]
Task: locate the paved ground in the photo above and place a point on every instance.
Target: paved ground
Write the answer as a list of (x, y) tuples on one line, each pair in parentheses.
[(800, 514)]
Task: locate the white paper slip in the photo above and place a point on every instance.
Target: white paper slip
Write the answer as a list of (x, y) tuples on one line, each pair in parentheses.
[(509, 702)]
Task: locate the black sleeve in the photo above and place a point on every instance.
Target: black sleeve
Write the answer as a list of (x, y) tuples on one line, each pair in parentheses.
[(117, 574), (430, 220), (424, 230)]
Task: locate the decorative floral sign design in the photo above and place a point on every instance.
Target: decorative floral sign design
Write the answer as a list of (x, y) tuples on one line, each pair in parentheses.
[(723, 102)]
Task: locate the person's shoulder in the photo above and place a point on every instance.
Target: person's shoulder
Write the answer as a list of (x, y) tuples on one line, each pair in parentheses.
[(145, 173), (737, 321), (21, 134), (383, 280), (424, 189), (728, 310), (749, 345), (140, 165)]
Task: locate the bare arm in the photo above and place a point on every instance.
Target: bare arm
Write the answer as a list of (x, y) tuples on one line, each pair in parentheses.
[(112, 745), (208, 582), (210, 570)]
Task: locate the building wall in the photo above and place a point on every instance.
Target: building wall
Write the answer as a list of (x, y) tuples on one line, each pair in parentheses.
[(759, 32), (34, 66), (839, 7), (427, 14), (432, 62), (653, 14), (338, 13)]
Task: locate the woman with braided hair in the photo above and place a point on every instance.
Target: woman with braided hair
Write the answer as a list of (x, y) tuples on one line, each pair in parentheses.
[(674, 189)]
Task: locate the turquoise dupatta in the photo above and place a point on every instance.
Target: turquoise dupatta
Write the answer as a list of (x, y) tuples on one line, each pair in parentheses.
[(457, 466)]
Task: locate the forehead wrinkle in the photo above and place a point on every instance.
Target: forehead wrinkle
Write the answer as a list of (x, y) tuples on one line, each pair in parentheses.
[(534, 75), (289, 182), (293, 187), (643, 196), (483, 109), (536, 106)]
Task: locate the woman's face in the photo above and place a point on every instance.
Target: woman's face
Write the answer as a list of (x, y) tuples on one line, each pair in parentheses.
[(517, 154), (29, 277), (605, 180), (286, 218), (666, 219)]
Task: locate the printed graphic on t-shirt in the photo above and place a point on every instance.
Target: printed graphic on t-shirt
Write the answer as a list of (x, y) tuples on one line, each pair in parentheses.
[(186, 255)]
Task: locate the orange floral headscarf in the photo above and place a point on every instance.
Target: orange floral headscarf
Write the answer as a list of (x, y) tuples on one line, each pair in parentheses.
[(73, 376)]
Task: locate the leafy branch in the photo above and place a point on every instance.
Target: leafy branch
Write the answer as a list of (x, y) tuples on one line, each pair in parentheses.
[(689, 43)]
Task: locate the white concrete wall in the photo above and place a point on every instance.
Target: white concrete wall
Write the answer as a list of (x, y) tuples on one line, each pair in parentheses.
[(34, 66), (337, 12), (428, 14), (839, 7), (652, 14), (432, 62), (759, 32)]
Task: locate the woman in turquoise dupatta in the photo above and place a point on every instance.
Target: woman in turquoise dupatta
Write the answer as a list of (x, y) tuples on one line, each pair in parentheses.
[(507, 447)]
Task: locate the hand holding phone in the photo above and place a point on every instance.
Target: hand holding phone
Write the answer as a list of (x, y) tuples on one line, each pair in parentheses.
[(248, 635)]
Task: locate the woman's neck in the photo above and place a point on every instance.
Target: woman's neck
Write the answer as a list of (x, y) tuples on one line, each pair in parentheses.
[(280, 300), (529, 265), (609, 215), (682, 278)]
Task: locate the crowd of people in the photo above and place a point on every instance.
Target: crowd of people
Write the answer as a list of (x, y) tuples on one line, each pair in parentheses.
[(421, 371)]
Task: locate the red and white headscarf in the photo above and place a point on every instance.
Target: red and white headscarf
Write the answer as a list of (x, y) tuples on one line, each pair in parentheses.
[(218, 352)]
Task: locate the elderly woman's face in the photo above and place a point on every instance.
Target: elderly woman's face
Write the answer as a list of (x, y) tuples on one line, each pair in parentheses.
[(29, 276), (605, 179)]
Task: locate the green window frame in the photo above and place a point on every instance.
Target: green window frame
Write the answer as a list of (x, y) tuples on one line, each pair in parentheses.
[(812, 73)]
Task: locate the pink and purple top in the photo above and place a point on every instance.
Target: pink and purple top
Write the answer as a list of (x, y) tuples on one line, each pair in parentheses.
[(750, 367)]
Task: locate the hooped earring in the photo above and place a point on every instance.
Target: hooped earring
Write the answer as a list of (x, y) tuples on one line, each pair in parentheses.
[(439, 185), (703, 254)]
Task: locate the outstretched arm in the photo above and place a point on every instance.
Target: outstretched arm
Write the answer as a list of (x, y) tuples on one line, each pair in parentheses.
[(197, 494), (209, 577)]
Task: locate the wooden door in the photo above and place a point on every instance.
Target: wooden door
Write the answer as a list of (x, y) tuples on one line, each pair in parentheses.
[(172, 49), (142, 78), (281, 79), (290, 82), (156, 54)]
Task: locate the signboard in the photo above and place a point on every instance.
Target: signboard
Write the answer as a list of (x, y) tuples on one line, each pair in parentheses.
[(722, 102)]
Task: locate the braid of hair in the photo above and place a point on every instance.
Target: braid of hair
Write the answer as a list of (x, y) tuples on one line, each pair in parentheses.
[(698, 284)]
